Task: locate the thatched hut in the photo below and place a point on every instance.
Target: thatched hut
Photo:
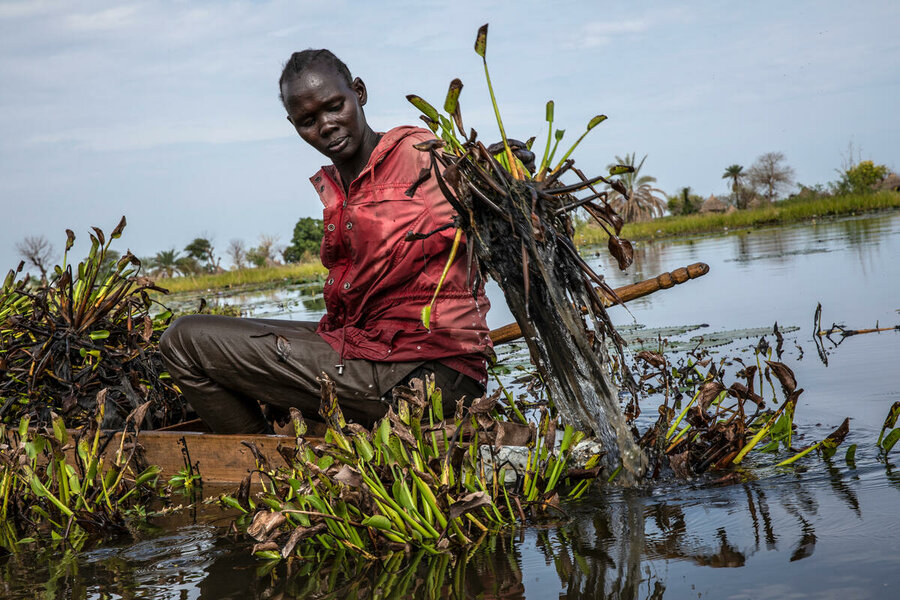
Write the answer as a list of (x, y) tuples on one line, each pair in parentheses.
[(889, 183), (713, 205)]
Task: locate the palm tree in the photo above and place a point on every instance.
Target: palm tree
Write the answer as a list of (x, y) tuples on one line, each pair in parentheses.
[(736, 174), (165, 263), (640, 203)]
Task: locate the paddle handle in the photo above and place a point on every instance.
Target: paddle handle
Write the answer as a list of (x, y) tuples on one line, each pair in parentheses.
[(664, 281)]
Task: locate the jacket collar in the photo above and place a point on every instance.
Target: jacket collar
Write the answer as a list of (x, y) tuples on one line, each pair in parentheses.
[(387, 143)]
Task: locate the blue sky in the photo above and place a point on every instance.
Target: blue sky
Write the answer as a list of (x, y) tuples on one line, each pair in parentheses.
[(168, 112)]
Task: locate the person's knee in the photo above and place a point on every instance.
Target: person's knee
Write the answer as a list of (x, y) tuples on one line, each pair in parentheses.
[(175, 340)]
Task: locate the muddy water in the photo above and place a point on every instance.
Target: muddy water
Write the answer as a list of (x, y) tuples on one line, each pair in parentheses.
[(819, 529)]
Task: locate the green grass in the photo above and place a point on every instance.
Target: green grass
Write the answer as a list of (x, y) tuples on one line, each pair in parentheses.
[(294, 272), (788, 211)]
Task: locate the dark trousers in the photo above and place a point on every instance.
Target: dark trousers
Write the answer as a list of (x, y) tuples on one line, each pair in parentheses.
[(226, 366)]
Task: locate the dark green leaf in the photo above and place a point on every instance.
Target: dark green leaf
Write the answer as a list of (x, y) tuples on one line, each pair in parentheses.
[(429, 111), (850, 457), (595, 121), (890, 440), (835, 438), (620, 169), (452, 101)]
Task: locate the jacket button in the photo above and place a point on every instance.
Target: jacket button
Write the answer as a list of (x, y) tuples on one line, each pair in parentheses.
[(349, 225), (318, 179), (330, 227), (321, 188), (347, 285), (330, 281)]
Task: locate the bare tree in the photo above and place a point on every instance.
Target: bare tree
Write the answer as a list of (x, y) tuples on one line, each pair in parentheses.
[(37, 251), (770, 175), (264, 254), (237, 252)]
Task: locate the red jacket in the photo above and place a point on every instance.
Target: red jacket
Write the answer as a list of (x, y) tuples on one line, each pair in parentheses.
[(378, 283)]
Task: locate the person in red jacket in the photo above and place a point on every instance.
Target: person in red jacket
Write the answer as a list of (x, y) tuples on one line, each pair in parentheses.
[(371, 337)]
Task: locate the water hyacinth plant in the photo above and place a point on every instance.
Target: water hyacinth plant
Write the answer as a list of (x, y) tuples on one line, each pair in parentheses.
[(719, 425), (417, 480), (62, 486), (87, 329)]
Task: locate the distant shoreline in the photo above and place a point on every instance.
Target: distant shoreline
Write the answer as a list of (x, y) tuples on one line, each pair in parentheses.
[(780, 213)]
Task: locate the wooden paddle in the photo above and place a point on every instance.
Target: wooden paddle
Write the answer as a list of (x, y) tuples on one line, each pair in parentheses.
[(511, 332)]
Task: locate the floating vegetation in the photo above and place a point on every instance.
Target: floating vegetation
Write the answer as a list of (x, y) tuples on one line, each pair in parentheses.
[(417, 480), (516, 217), (86, 334), (59, 486), (721, 424)]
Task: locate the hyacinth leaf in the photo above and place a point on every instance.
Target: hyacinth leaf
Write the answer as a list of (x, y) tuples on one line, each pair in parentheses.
[(427, 109), (481, 41), (378, 522), (451, 104), (596, 121), (835, 438), (850, 456), (452, 101), (890, 421), (117, 232), (70, 239), (890, 439), (620, 169)]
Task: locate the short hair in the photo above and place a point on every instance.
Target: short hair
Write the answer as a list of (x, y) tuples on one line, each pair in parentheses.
[(300, 61)]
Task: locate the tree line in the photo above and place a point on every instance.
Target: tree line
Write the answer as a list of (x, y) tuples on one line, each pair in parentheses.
[(198, 257), (769, 179)]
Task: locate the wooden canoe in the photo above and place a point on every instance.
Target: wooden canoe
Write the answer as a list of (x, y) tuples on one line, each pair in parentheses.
[(220, 459)]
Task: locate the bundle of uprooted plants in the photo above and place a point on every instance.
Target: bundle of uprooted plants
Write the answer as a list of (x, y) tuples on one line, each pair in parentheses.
[(518, 226), (417, 480), (85, 331)]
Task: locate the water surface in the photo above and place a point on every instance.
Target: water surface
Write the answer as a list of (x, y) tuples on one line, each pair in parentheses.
[(821, 529)]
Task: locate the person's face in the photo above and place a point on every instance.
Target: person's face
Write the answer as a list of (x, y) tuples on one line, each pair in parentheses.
[(326, 112)]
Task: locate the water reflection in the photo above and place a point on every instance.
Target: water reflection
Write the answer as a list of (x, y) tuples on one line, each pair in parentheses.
[(618, 544)]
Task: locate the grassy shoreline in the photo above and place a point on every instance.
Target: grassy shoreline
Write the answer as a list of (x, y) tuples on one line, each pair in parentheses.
[(782, 213), (789, 211), (291, 273)]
